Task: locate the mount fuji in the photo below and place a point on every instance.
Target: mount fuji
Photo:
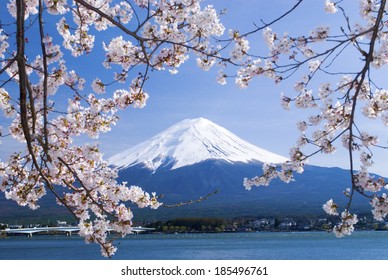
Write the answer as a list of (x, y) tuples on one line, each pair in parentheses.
[(196, 157), (189, 142)]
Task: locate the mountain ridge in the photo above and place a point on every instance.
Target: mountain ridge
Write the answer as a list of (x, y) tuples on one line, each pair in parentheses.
[(302, 197), (226, 160)]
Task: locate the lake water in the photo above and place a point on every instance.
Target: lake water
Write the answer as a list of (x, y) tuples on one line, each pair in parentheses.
[(235, 246)]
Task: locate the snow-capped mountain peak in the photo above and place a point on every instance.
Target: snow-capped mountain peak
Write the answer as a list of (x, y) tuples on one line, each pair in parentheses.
[(191, 141)]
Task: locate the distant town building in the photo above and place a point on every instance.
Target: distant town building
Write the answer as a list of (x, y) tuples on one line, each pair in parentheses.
[(15, 226), (61, 223), (287, 224), (33, 225)]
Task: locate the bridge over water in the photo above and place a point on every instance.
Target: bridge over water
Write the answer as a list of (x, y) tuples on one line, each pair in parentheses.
[(68, 230)]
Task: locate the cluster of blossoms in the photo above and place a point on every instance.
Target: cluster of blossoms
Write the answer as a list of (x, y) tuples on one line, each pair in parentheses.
[(380, 207), (153, 35), (348, 220), (240, 48), (346, 226), (3, 44), (334, 105)]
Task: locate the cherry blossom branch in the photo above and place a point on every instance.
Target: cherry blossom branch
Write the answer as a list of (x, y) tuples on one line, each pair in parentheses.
[(271, 23), (368, 59), (9, 63), (200, 199), (45, 79)]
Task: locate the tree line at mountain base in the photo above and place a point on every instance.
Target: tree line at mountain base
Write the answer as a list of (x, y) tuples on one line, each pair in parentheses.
[(246, 224)]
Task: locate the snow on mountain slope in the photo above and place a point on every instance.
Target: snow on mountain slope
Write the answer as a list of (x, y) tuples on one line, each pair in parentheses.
[(191, 141)]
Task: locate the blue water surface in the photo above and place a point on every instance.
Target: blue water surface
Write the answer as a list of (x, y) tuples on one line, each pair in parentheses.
[(362, 245)]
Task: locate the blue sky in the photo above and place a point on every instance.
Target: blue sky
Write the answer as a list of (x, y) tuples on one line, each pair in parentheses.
[(254, 113)]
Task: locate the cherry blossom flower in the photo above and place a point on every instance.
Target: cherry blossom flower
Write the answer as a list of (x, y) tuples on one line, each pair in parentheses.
[(314, 65), (330, 207), (330, 7), (98, 86)]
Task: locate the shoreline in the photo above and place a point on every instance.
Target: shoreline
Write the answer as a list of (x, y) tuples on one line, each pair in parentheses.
[(27, 236)]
